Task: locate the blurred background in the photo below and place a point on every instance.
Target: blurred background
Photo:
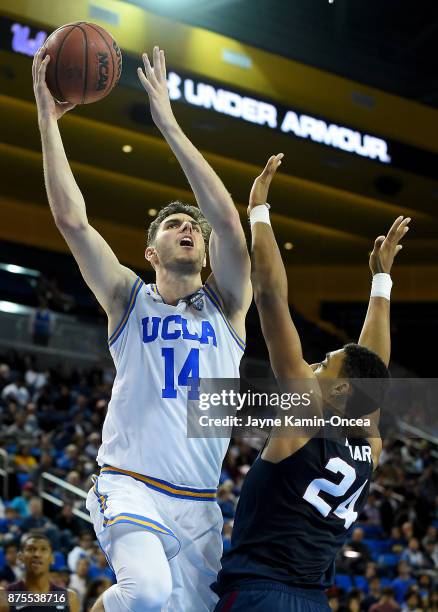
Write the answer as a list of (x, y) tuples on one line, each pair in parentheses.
[(348, 92)]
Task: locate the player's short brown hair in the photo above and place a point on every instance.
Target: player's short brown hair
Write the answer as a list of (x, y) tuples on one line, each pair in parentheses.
[(178, 207)]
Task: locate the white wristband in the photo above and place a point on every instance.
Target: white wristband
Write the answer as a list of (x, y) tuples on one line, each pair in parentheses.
[(381, 286), (260, 214)]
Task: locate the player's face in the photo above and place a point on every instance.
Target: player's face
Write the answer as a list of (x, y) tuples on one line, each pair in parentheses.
[(37, 557), (179, 244)]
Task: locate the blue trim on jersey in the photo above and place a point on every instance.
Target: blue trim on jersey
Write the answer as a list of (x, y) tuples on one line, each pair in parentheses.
[(162, 486), (145, 523), (165, 487), (129, 308), (133, 519), (215, 301)]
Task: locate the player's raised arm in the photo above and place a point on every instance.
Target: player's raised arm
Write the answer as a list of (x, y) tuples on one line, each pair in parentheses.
[(106, 277), (229, 257), (376, 333), (270, 286)]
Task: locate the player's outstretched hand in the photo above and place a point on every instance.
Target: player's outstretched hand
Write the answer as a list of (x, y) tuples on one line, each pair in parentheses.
[(47, 106), (260, 188), (153, 79), (387, 247)]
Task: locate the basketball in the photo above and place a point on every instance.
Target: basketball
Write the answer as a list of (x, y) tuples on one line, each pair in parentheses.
[(85, 63)]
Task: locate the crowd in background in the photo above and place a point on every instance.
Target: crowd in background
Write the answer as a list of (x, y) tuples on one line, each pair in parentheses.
[(51, 421)]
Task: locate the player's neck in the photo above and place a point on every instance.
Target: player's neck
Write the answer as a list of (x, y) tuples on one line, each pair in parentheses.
[(173, 287), (37, 584)]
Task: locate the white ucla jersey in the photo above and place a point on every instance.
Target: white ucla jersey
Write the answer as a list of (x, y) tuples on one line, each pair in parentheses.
[(157, 348)]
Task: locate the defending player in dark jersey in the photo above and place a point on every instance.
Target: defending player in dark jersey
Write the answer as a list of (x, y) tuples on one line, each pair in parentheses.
[(303, 493), (35, 592)]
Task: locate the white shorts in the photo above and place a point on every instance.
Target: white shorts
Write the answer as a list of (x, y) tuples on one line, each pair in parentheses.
[(187, 521)]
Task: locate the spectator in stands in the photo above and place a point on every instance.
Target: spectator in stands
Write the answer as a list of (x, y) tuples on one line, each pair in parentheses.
[(94, 440), (425, 587), (386, 603), (395, 541), (12, 570), (24, 461), (431, 536), (41, 323), (413, 602), (431, 555), (371, 512), (20, 431), (413, 554), (17, 391), (67, 521), (83, 549), (21, 502), (333, 602), (37, 521), (226, 499), (45, 465), (403, 581), (79, 580), (358, 564), (5, 375), (433, 600), (67, 460), (373, 596), (11, 527), (354, 600), (407, 530), (370, 570)]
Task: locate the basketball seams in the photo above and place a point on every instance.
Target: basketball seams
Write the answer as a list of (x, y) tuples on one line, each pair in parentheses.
[(109, 49), (93, 50), (84, 90), (58, 57)]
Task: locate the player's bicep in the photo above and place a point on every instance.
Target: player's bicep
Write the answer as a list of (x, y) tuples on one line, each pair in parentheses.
[(99, 266), (231, 267)]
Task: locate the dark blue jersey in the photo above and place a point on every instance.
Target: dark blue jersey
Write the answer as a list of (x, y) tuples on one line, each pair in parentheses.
[(294, 516)]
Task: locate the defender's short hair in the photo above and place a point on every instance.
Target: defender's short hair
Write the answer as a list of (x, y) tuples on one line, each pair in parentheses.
[(361, 363), (34, 535), (178, 207)]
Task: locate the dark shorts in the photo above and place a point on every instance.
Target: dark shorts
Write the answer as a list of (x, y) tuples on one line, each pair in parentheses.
[(261, 596)]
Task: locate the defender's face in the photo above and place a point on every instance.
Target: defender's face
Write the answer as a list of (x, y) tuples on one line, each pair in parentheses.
[(37, 557), (179, 242), (334, 389)]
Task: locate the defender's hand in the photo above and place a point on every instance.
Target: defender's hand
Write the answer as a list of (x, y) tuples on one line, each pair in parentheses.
[(387, 247), (47, 106), (154, 81), (260, 188)]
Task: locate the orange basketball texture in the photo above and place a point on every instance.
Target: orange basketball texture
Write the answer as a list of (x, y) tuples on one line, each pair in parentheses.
[(85, 63)]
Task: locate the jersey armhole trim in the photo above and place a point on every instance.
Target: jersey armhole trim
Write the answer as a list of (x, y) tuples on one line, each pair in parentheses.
[(129, 308), (214, 299)]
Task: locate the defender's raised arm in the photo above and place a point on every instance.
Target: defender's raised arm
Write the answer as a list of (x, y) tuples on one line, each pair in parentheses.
[(270, 286), (376, 332), (106, 277), (229, 257)]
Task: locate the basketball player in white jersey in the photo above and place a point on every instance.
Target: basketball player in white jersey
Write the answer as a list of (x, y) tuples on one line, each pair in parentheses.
[(153, 504)]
